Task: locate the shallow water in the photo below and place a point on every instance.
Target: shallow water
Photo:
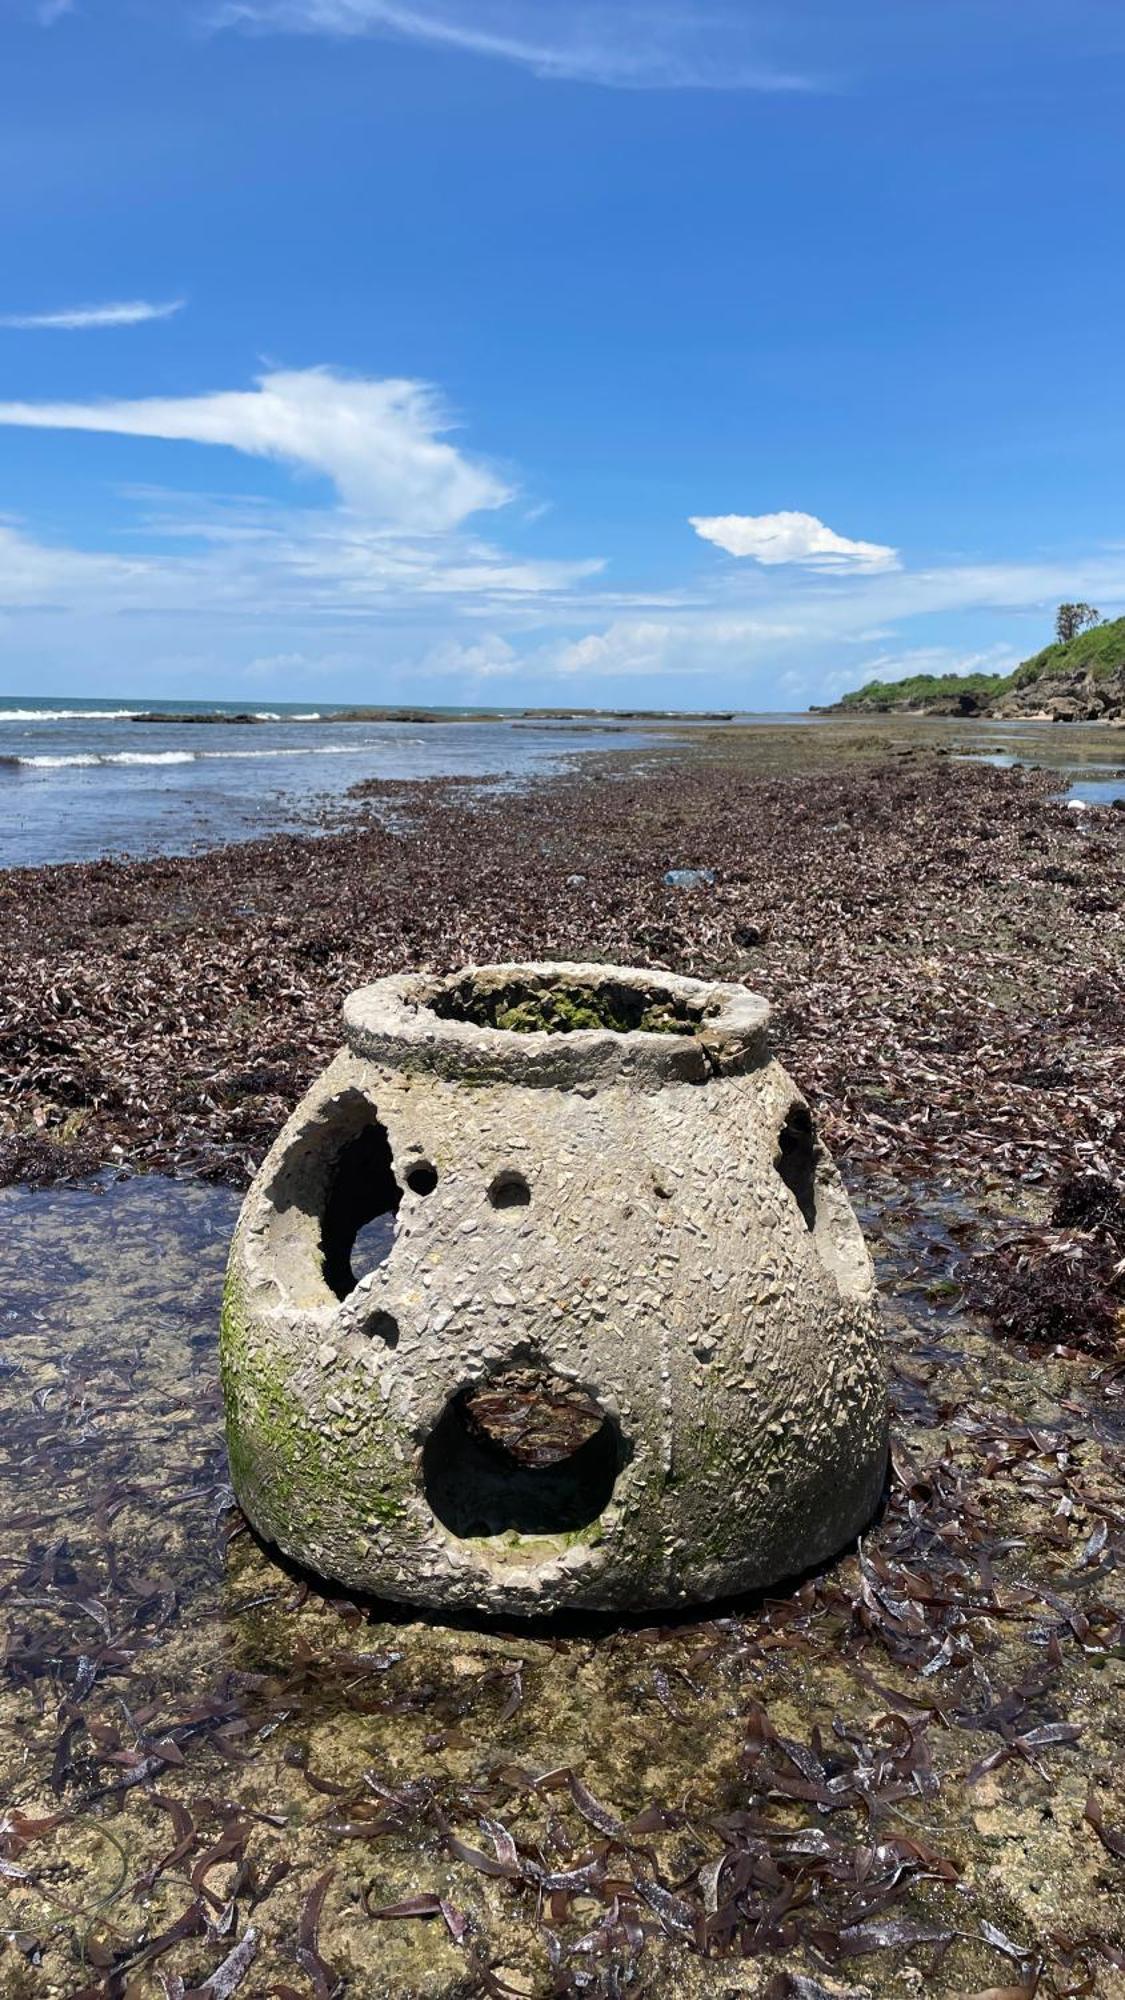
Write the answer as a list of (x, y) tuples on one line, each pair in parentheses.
[(208, 1751), (77, 782), (84, 779), (1089, 757)]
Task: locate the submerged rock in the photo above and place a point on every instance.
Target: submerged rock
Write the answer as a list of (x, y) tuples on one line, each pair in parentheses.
[(618, 1345)]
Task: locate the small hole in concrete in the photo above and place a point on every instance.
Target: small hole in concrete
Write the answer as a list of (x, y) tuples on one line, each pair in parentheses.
[(509, 1190), (385, 1328), (357, 1231), (522, 1453), (795, 1160), (422, 1179)]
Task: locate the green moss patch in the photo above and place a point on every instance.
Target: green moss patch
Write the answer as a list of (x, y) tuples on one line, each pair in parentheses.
[(566, 1007)]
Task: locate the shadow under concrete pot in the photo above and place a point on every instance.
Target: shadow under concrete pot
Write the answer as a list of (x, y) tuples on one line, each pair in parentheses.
[(548, 1297)]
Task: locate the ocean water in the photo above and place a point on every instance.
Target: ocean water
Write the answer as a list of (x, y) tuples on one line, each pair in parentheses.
[(81, 779), (85, 778)]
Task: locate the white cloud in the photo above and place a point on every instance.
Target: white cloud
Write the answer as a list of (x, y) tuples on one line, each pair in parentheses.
[(50, 11), (34, 576), (625, 649), (791, 538), (690, 646), (633, 46), (125, 312), (488, 658), (256, 562), (379, 442)]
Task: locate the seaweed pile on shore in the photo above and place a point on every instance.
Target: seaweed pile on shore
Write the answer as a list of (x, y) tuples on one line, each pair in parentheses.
[(1063, 1284), (943, 945)]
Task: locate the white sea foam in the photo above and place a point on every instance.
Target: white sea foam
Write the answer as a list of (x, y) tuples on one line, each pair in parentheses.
[(191, 757), (86, 757), (117, 757), (67, 714), (296, 750), (55, 763)]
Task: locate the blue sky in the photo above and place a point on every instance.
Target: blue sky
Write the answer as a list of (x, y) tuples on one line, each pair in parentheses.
[(563, 351)]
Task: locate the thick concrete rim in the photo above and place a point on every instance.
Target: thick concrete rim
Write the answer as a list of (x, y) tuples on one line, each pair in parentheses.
[(393, 1023)]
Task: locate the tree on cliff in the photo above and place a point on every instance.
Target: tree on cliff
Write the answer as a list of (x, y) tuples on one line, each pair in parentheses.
[(1071, 619)]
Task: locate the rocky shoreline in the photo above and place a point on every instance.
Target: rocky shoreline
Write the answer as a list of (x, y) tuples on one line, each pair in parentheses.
[(1071, 697), (1077, 679)]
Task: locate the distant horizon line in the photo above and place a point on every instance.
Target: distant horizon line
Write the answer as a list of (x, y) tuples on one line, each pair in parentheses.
[(263, 703)]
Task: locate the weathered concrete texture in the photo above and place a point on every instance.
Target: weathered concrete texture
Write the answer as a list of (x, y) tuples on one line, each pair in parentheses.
[(641, 1211)]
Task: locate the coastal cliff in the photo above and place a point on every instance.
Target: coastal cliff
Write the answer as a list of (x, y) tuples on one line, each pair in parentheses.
[(1082, 680)]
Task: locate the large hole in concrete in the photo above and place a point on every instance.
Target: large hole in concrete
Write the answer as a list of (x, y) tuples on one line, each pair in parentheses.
[(795, 1160), (357, 1230), (523, 1453), (564, 1006)]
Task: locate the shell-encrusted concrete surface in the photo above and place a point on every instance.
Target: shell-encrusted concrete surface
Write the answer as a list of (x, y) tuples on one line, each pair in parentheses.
[(548, 1296)]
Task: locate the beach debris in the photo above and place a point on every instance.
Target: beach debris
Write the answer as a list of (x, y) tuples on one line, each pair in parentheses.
[(690, 878)]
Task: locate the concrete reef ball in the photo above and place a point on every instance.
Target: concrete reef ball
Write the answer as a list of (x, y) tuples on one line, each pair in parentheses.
[(548, 1296)]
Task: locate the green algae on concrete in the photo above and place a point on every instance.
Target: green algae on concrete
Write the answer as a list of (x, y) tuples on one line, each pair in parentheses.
[(277, 1452)]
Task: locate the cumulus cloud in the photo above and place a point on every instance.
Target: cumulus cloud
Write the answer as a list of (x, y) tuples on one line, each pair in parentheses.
[(379, 442), (123, 312), (649, 46), (792, 538)]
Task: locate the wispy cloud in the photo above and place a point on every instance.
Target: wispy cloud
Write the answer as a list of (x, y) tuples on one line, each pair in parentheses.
[(48, 12), (379, 442), (630, 46), (773, 539), (123, 312), (453, 611), (781, 636), (256, 563)]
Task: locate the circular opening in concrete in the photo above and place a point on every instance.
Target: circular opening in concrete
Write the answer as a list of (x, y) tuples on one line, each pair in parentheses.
[(357, 1228), (510, 1190), (566, 1005), (521, 1454), (422, 1179)]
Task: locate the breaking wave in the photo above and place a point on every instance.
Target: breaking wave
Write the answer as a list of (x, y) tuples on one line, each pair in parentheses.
[(68, 714), (90, 757)]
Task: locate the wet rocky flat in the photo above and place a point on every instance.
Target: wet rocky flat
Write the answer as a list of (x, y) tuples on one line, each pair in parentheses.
[(901, 1775)]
